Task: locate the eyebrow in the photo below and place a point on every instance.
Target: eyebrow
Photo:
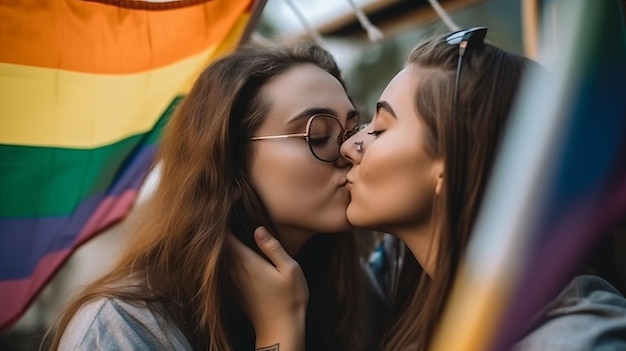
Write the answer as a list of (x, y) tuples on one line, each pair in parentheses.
[(384, 105), (323, 110)]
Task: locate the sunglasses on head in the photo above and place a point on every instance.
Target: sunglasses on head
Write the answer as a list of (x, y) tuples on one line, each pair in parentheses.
[(464, 39)]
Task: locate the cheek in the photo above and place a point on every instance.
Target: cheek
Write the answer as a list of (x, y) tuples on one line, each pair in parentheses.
[(294, 185), (395, 186), (279, 171), (383, 164)]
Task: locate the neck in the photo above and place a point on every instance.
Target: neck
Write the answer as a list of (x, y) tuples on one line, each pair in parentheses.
[(421, 242), (293, 239)]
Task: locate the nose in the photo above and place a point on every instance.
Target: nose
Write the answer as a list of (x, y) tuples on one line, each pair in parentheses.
[(352, 148), (342, 162)]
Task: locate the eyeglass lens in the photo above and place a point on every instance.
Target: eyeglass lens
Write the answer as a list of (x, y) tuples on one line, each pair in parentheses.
[(325, 137)]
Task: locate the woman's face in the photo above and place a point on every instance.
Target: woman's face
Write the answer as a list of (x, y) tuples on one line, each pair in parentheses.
[(301, 193), (393, 179)]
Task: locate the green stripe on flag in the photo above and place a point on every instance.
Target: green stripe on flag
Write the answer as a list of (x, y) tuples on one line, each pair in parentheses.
[(39, 181)]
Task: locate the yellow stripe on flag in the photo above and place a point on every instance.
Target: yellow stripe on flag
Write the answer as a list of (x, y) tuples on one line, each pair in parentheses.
[(57, 108)]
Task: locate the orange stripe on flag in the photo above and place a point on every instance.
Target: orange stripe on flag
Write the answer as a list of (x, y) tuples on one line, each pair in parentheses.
[(93, 37)]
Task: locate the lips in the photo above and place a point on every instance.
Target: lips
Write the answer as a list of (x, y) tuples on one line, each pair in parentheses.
[(349, 184), (348, 178)]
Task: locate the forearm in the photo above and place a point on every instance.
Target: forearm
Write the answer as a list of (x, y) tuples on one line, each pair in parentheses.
[(282, 335)]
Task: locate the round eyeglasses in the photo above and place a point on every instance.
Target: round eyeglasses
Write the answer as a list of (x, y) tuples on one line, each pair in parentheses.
[(324, 133)]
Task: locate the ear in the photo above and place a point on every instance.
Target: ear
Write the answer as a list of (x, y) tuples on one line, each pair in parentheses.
[(438, 169)]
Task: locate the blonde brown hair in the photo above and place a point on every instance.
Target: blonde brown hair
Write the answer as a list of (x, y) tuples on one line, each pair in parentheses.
[(177, 263), (466, 138)]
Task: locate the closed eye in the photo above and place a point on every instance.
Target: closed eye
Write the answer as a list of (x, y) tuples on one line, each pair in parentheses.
[(319, 140)]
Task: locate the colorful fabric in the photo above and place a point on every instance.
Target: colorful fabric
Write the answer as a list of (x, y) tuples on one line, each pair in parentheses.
[(559, 182), (85, 89)]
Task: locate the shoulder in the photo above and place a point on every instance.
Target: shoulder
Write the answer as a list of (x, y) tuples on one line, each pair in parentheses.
[(589, 314), (113, 324)]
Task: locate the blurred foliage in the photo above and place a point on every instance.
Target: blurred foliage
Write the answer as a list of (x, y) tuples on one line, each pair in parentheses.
[(372, 65), (376, 65), (265, 27)]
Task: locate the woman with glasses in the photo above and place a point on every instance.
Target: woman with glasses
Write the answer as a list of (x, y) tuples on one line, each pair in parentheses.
[(255, 143), (419, 171)]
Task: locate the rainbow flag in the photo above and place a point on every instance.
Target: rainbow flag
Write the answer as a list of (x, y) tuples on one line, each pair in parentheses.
[(85, 89), (559, 182)]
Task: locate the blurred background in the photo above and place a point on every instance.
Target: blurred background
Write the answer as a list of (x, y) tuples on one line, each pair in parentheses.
[(367, 67)]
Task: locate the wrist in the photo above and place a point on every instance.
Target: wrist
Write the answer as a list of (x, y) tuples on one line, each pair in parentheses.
[(284, 333)]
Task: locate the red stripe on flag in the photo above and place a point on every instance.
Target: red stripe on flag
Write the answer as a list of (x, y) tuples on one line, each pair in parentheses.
[(18, 294)]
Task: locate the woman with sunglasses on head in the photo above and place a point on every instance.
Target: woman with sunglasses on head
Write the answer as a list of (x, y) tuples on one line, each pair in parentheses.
[(420, 168), (256, 142)]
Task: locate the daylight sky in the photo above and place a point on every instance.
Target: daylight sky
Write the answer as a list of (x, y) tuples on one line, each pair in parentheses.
[(316, 11)]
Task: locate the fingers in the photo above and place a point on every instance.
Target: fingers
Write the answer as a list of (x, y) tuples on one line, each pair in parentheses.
[(243, 253), (245, 264), (272, 248), (238, 248), (268, 245)]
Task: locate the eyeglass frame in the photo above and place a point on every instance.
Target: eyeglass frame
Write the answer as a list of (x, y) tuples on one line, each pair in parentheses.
[(344, 134), (464, 38)]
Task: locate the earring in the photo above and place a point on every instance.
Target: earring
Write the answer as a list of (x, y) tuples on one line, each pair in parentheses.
[(359, 146)]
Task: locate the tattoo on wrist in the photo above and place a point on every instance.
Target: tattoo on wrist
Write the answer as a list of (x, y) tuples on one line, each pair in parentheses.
[(274, 347)]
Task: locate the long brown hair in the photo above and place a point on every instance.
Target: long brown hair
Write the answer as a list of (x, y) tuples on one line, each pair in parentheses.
[(177, 263), (466, 138)]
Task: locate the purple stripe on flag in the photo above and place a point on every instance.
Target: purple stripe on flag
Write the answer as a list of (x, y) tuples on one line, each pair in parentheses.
[(571, 238), (16, 295), (25, 241)]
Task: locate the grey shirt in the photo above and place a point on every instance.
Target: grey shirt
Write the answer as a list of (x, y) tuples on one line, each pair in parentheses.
[(112, 324), (590, 314)]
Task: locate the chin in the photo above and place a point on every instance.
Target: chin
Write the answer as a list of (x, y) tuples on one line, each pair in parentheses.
[(354, 217), (336, 226), (342, 227), (362, 221)]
